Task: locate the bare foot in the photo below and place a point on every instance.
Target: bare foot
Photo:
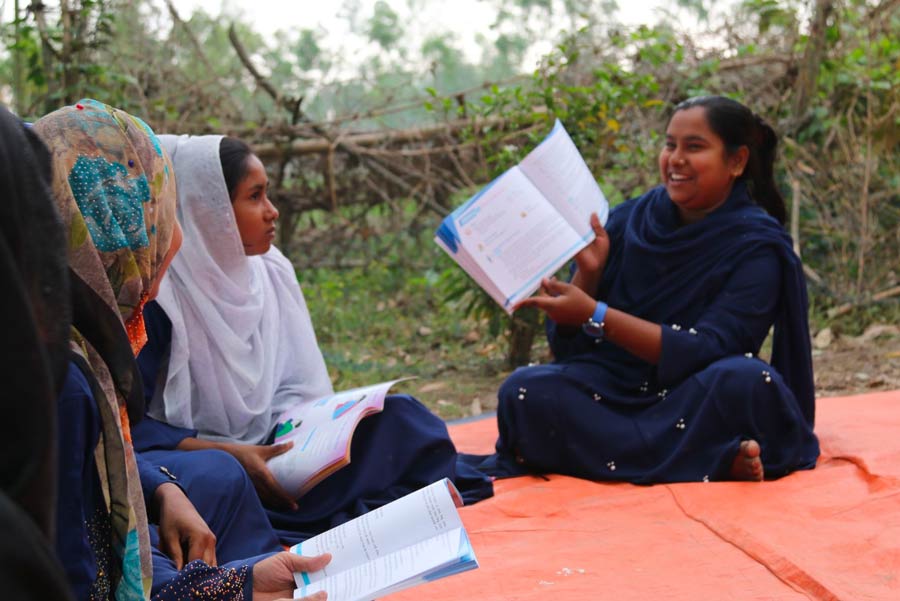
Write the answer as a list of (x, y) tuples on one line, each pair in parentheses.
[(747, 465)]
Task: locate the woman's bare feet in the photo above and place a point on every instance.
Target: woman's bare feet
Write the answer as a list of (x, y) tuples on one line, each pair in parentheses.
[(747, 464)]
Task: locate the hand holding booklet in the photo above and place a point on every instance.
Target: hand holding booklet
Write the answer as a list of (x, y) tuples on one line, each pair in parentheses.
[(321, 431), (527, 223), (415, 539)]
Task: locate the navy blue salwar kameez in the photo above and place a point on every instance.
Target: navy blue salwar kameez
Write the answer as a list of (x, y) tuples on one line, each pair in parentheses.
[(393, 453), (243, 535), (717, 286)]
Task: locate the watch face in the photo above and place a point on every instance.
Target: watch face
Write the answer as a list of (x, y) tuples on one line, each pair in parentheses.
[(592, 328)]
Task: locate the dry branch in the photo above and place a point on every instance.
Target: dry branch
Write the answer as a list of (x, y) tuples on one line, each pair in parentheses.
[(379, 139), (248, 64), (195, 43), (878, 296), (417, 104), (292, 105)]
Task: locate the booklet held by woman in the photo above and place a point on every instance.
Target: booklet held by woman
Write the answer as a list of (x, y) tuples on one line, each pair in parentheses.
[(321, 431), (528, 222), (415, 539)]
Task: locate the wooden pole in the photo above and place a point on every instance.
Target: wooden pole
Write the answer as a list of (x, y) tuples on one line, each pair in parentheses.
[(18, 85)]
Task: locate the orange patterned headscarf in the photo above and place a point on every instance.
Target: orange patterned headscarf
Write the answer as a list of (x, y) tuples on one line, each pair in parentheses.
[(115, 188)]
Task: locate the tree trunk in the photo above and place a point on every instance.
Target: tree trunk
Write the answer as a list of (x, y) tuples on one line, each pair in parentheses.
[(67, 54), (812, 59), (522, 329), (48, 58), (18, 85)]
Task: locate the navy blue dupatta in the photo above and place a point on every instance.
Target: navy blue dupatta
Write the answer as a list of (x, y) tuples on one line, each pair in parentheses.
[(661, 269)]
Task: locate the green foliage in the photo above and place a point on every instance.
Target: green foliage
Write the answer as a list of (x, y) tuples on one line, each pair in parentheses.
[(699, 7), (384, 27), (612, 86), (308, 51), (844, 159), (55, 62), (613, 90), (598, 110), (384, 317), (772, 14)]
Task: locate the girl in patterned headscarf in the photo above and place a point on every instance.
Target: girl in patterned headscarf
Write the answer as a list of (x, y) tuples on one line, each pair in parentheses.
[(115, 190), (116, 195)]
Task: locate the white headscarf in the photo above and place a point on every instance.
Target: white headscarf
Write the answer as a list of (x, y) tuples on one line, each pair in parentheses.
[(243, 345)]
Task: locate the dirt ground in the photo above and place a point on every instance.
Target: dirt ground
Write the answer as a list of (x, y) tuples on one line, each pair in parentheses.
[(845, 365)]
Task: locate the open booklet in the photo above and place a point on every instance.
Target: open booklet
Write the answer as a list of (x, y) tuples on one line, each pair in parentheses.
[(415, 539), (321, 431), (528, 222)]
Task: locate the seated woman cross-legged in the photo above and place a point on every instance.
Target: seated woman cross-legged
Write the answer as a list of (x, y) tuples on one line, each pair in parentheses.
[(232, 346), (656, 375)]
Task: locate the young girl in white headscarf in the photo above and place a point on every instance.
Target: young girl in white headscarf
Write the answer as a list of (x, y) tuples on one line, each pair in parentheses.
[(232, 346)]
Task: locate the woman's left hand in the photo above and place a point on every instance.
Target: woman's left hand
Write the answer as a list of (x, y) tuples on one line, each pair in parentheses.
[(565, 304), (183, 535), (591, 260), (273, 577)]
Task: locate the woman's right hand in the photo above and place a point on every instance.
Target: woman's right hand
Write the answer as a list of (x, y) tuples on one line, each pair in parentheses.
[(183, 534), (253, 458), (591, 260), (563, 303), (273, 577)]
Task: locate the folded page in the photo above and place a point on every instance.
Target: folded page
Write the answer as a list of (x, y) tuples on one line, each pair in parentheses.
[(321, 431), (515, 236), (558, 170), (394, 571)]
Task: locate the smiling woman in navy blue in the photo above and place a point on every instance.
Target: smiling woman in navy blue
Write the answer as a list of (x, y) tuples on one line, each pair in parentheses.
[(657, 375)]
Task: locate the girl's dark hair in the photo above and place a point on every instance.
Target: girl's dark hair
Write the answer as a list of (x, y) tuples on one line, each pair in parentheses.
[(233, 155), (738, 126)]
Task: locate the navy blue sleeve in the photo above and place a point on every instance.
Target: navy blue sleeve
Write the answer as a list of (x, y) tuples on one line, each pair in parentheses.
[(736, 322), (78, 485), (567, 341), (150, 434), (152, 476)]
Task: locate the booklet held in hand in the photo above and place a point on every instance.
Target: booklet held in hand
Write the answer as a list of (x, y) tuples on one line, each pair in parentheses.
[(415, 539), (527, 223)]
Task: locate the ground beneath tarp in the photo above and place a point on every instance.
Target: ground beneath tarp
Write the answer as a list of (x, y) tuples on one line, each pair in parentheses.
[(828, 533)]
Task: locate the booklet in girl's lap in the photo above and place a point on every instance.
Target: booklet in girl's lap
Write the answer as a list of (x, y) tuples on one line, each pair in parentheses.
[(321, 431)]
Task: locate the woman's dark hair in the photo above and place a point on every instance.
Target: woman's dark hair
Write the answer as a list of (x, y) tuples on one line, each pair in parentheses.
[(35, 318), (738, 126), (233, 155)]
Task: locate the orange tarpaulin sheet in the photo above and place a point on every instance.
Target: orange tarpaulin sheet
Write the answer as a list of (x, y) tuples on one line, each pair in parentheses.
[(828, 533)]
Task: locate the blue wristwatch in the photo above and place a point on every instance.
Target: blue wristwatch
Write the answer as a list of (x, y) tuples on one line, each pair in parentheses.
[(593, 327)]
